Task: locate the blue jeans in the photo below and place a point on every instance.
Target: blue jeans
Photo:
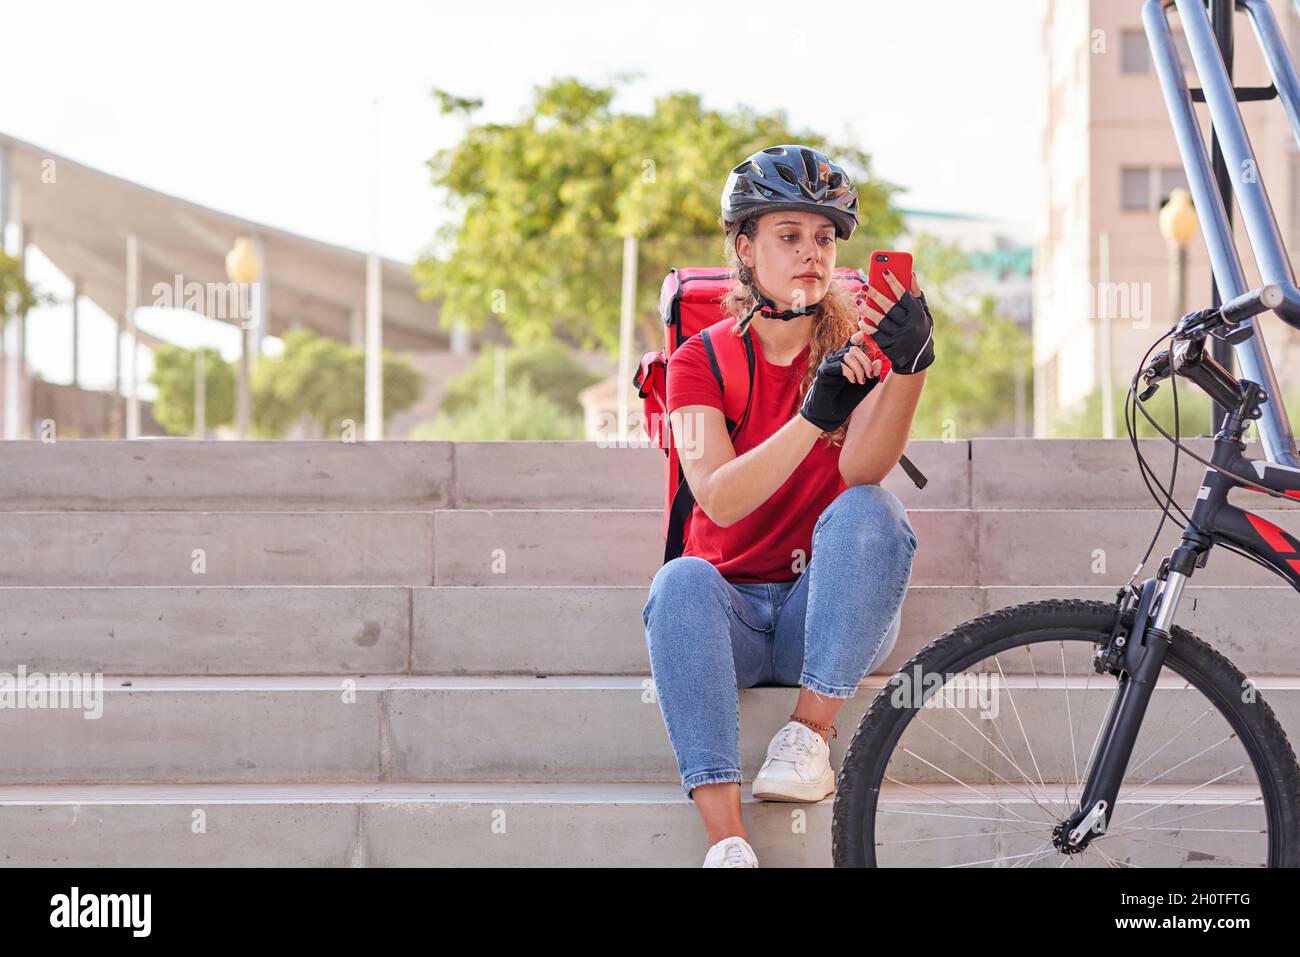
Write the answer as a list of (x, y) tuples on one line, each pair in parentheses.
[(825, 630)]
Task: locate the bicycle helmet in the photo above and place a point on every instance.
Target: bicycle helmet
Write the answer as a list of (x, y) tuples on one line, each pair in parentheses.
[(789, 177)]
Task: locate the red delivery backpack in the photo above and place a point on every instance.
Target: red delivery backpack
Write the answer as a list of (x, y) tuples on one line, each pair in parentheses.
[(690, 302)]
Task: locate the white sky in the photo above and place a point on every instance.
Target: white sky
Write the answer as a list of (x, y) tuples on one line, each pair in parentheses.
[(263, 109)]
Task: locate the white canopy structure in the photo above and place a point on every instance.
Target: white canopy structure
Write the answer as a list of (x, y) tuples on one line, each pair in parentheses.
[(85, 220)]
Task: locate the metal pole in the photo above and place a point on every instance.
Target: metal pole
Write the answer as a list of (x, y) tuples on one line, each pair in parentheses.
[(1107, 373), (14, 354), (1221, 21), (374, 346), (132, 300), (243, 385), (261, 298), (76, 332), (625, 332), (200, 396), (374, 368)]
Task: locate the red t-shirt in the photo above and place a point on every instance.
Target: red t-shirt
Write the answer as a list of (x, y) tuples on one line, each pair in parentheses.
[(761, 547)]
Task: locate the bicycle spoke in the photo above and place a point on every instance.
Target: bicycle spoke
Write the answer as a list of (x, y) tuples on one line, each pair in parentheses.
[(1183, 794), (991, 860), (1008, 782), (1066, 803), (955, 837), (1112, 862), (1069, 723), (1192, 757), (1023, 733), (964, 817), (993, 744), (1181, 732), (1209, 810), (963, 784), (1191, 850), (1046, 848)]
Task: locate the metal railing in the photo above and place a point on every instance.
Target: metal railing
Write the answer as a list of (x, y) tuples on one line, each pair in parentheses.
[(1247, 184)]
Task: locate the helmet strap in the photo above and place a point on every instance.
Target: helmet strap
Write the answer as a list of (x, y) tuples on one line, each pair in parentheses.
[(768, 308)]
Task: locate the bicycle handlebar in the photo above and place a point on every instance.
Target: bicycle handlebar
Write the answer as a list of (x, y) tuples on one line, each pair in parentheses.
[(1208, 373), (1251, 304), (1188, 357)]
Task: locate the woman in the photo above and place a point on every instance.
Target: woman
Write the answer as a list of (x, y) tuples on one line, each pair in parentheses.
[(797, 561)]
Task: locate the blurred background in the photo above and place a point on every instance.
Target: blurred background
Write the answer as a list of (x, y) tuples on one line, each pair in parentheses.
[(411, 221)]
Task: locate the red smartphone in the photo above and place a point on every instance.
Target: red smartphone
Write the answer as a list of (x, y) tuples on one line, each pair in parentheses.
[(900, 264)]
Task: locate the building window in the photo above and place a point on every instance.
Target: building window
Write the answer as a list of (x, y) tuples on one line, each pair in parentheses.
[(1144, 189), (1135, 52), (1135, 188)]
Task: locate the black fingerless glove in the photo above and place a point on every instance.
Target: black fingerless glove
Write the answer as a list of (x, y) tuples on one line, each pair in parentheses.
[(906, 335), (833, 395)]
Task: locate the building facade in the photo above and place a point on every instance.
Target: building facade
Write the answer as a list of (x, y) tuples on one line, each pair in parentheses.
[(1102, 270)]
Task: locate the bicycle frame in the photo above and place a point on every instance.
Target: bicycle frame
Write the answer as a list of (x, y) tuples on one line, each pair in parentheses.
[(1140, 656)]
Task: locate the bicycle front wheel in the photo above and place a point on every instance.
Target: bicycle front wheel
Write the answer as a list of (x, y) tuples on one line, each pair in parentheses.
[(976, 750)]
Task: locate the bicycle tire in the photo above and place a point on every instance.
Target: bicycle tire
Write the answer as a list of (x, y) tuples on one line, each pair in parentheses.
[(868, 753)]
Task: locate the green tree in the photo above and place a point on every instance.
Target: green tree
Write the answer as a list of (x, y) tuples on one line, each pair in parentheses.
[(972, 385), (521, 413), (540, 399), (323, 379), (17, 295), (174, 375), (542, 206), (548, 365)]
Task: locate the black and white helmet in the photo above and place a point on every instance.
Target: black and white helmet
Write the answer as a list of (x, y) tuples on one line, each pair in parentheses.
[(791, 177)]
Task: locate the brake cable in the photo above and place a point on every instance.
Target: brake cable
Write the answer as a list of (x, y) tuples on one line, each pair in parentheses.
[(1145, 469)]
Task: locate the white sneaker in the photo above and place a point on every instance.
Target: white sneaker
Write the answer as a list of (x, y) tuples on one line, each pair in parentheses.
[(731, 852), (798, 766)]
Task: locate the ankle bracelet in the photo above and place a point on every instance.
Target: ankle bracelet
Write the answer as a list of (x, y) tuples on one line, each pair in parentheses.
[(829, 728)]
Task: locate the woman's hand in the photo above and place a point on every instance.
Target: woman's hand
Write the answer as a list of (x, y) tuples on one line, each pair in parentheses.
[(903, 328), (843, 379)]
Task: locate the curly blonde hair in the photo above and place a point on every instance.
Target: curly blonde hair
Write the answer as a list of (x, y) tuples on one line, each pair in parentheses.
[(835, 320)]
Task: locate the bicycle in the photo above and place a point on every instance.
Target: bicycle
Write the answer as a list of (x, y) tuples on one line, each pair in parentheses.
[(894, 806)]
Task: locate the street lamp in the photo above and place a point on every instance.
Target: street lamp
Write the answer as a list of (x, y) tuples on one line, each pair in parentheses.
[(243, 267), (1178, 225)]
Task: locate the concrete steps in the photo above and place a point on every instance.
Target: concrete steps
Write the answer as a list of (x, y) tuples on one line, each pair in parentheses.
[(432, 653), (507, 825), (547, 547), (217, 476), (504, 630), (525, 729)]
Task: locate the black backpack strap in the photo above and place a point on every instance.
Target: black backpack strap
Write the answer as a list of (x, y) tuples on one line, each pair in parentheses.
[(917, 477), (749, 397), (683, 504)]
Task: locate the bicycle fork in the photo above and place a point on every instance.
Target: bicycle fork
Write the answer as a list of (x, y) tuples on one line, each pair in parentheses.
[(1136, 660)]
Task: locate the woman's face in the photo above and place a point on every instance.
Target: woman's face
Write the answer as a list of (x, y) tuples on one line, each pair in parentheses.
[(792, 257)]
